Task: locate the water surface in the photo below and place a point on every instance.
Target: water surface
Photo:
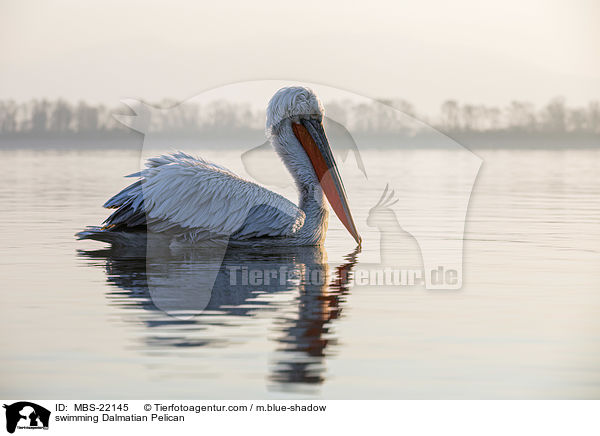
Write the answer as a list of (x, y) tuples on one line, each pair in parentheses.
[(79, 320)]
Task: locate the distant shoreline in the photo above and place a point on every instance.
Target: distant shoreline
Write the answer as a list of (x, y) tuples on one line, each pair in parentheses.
[(255, 137)]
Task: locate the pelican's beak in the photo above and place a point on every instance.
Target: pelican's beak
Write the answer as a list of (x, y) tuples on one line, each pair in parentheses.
[(312, 136)]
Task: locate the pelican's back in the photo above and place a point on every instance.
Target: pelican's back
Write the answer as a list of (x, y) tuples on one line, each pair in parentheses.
[(191, 200)]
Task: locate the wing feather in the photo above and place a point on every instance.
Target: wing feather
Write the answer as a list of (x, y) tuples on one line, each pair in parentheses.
[(195, 198)]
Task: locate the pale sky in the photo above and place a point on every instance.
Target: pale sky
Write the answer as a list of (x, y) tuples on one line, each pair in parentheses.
[(423, 51)]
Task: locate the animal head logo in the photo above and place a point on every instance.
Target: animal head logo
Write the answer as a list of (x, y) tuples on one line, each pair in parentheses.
[(26, 415)]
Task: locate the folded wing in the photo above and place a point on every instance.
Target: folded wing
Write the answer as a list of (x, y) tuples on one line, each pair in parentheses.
[(197, 199)]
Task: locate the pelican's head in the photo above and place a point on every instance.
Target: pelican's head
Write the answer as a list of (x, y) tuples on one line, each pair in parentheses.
[(292, 103), (295, 127)]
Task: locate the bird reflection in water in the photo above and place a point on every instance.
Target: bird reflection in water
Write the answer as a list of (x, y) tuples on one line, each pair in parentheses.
[(198, 293)]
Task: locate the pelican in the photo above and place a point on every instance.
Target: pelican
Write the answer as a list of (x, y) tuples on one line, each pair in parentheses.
[(188, 200)]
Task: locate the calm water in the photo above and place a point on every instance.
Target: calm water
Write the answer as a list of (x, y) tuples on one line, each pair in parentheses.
[(80, 321)]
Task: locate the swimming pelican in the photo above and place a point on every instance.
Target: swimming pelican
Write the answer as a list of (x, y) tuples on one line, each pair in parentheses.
[(188, 200)]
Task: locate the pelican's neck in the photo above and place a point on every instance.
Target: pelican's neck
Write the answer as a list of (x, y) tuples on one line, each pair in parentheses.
[(311, 197), (313, 204)]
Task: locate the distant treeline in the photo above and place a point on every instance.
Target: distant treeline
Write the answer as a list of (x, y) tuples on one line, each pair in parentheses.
[(60, 117)]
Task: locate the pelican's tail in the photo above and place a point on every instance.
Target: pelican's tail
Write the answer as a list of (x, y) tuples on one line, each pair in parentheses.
[(113, 237)]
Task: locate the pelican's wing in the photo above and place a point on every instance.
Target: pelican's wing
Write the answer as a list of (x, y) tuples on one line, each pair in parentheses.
[(190, 196)]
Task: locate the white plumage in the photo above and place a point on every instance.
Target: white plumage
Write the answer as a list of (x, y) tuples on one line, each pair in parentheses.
[(196, 198), (190, 201)]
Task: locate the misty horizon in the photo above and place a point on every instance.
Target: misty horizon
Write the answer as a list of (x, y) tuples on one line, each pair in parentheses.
[(44, 116)]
